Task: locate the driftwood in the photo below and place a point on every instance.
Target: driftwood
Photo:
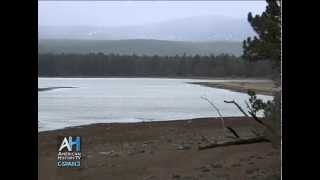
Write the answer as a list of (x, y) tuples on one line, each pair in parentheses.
[(237, 142)]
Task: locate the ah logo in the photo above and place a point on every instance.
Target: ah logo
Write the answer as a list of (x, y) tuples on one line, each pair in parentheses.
[(69, 144)]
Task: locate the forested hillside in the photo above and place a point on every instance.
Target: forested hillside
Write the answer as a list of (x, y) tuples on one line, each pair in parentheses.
[(140, 47), (99, 64)]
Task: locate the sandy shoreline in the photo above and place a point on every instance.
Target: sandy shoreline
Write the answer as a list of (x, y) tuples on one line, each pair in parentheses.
[(160, 150), (265, 88)]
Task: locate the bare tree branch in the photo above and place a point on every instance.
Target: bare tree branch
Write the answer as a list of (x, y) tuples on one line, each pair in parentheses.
[(238, 106), (253, 115), (248, 106), (256, 118), (215, 107)]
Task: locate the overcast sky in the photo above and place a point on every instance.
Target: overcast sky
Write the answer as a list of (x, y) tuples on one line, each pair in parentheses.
[(124, 13)]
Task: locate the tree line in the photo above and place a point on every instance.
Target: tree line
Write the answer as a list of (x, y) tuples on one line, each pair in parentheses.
[(99, 64)]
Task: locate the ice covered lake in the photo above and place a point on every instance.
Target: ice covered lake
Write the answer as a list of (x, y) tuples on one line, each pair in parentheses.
[(106, 100)]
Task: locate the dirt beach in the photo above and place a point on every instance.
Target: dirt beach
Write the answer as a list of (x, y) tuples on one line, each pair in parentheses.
[(160, 151), (264, 87)]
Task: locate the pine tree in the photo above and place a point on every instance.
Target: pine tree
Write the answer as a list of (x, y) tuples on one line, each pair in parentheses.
[(266, 45)]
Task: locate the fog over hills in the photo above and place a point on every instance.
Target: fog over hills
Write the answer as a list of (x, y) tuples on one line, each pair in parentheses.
[(203, 35), (200, 28)]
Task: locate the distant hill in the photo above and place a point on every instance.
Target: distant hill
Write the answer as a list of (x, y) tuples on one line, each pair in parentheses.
[(139, 47), (199, 28)]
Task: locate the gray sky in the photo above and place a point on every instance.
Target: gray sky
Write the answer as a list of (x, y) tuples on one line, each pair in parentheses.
[(124, 13)]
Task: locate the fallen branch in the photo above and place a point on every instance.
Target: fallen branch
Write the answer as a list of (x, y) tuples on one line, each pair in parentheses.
[(233, 131), (237, 142)]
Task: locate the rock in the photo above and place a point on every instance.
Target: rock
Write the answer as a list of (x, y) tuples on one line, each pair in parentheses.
[(259, 157), (205, 168), (106, 153), (147, 142), (135, 151), (216, 165), (115, 155), (183, 147), (110, 153)]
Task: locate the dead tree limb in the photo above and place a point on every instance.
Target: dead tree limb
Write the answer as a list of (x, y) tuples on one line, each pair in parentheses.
[(238, 106), (267, 126), (248, 106), (233, 131), (256, 118), (237, 142), (253, 115), (218, 111), (250, 112)]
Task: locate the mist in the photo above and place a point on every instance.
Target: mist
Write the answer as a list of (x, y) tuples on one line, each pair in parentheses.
[(162, 20), (128, 13)]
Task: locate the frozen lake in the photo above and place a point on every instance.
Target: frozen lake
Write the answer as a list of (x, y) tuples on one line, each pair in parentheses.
[(106, 100)]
